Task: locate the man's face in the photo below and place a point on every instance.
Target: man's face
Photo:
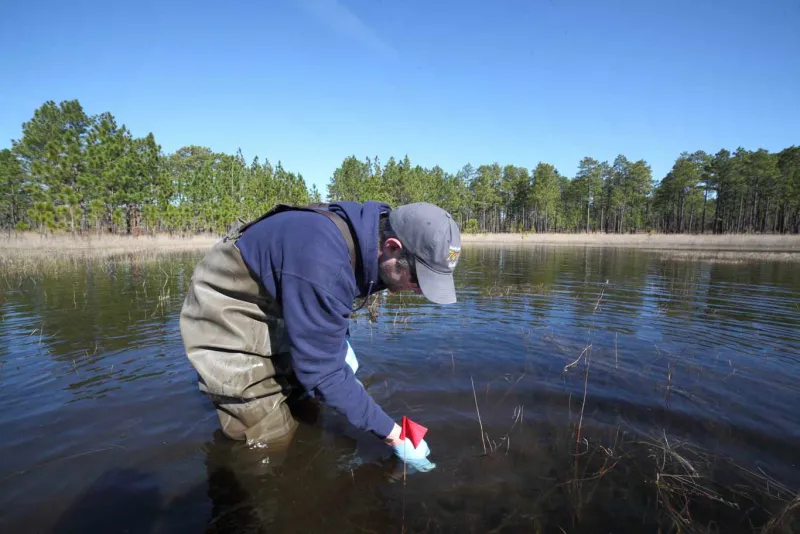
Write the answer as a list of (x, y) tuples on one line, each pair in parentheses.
[(398, 275)]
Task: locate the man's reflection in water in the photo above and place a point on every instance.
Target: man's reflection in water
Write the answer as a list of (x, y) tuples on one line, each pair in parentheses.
[(326, 476)]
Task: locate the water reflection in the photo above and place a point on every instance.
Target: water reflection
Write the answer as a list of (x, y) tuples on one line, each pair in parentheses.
[(643, 355)]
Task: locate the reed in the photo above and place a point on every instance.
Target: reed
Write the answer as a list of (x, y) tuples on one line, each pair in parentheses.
[(787, 520), (477, 410), (16, 265)]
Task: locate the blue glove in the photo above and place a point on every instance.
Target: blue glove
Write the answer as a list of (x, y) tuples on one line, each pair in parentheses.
[(415, 459)]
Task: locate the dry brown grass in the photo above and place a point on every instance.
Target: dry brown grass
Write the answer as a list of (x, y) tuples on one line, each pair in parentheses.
[(716, 248), (737, 242), (32, 243), (31, 254), (728, 256)]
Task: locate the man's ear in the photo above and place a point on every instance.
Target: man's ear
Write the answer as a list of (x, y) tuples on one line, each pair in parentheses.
[(392, 245)]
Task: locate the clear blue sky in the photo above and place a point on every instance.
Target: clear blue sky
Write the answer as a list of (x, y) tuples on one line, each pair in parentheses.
[(309, 82)]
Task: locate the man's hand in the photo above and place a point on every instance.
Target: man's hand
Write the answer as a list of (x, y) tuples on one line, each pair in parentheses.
[(394, 437)]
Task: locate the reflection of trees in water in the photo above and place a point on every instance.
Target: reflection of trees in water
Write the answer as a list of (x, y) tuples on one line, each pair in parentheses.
[(714, 303), (121, 308), (673, 300), (92, 309), (102, 305)]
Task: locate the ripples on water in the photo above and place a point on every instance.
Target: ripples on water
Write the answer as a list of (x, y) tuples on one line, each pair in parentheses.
[(689, 398)]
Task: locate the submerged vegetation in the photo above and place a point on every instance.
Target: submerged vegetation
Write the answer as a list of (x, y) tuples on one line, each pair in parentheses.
[(88, 174)]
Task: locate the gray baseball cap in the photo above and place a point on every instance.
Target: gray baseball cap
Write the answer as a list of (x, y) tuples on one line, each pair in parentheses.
[(432, 237)]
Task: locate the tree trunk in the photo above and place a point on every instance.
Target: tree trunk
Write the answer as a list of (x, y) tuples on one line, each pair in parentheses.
[(587, 214), (782, 219), (776, 221), (705, 201), (739, 220), (546, 214)]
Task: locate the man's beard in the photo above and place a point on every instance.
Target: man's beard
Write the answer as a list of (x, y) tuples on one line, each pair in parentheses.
[(388, 276)]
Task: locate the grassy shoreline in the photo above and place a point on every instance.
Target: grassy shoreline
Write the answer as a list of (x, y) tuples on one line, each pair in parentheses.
[(30, 245), (731, 242), (64, 241), (31, 254)]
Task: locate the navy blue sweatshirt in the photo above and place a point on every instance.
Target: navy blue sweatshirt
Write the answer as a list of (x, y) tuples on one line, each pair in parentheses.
[(301, 259)]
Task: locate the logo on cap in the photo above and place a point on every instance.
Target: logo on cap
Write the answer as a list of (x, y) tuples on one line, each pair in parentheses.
[(452, 257)]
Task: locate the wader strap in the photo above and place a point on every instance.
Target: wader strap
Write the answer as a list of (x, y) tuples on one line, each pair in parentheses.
[(340, 223)]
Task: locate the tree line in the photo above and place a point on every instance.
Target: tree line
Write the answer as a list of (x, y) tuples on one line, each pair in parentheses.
[(73, 172), (743, 191), (80, 173)]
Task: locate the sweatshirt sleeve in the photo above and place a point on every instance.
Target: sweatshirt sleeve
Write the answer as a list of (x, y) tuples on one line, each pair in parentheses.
[(316, 325)]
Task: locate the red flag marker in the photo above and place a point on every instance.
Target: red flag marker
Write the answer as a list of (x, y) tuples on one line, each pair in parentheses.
[(415, 432)]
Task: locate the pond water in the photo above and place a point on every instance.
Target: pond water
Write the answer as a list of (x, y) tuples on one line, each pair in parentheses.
[(569, 390)]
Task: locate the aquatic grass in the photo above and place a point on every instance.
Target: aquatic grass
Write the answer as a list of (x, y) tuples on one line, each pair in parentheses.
[(690, 485), (517, 418), (787, 520), (163, 295), (684, 480), (728, 257), (483, 441), (677, 486), (587, 349), (575, 488), (623, 479), (496, 291)]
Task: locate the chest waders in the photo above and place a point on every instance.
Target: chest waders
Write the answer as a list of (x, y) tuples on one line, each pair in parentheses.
[(234, 337)]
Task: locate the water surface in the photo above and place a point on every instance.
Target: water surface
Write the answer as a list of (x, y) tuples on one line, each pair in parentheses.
[(618, 390)]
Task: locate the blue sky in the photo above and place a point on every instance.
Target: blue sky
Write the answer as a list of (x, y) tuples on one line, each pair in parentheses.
[(309, 82)]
